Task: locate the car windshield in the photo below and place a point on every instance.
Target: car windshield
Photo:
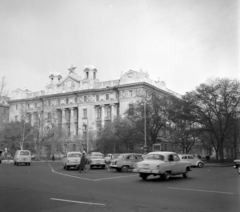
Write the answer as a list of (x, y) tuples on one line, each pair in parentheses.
[(74, 155), (120, 157), (154, 157), (97, 157), (97, 154), (24, 153), (115, 156)]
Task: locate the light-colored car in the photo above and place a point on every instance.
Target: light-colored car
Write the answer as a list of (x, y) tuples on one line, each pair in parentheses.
[(193, 160), (163, 164), (125, 161), (97, 160), (22, 157), (71, 160)]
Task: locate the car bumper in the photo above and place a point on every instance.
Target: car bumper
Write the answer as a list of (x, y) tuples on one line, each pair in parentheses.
[(154, 171)]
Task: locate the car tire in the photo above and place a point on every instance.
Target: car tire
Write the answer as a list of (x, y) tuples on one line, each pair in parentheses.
[(118, 169), (185, 175), (200, 165), (124, 168), (17, 163), (238, 169), (67, 167), (165, 176), (103, 167), (143, 176)]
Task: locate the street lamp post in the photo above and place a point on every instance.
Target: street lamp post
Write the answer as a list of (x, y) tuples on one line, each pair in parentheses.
[(145, 130)]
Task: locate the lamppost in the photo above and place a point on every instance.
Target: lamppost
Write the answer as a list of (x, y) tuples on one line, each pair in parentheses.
[(145, 130)]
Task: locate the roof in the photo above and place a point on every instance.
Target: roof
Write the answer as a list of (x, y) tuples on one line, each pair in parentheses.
[(162, 153)]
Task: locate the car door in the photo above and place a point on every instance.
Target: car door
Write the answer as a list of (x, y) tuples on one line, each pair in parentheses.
[(171, 164), (137, 158), (179, 167), (130, 160)]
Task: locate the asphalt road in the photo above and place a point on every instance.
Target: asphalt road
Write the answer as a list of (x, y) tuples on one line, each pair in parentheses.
[(47, 187)]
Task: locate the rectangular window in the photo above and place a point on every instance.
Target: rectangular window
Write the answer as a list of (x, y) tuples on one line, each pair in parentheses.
[(66, 101), (130, 93), (85, 98), (97, 97), (59, 102), (28, 106), (16, 118), (98, 112), (84, 113), (75, 99), (35, 105), (49, 116), (16, 107), (107, 96), (108, 112)]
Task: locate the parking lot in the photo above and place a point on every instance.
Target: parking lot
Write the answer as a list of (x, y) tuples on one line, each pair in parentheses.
[(48, 187)]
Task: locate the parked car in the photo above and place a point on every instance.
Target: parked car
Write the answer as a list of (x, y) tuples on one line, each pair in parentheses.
[(193, 160), (114, 156), (97, 160), (126, 161), (71, 160), (237, 165), (22, 157), (163, 164)]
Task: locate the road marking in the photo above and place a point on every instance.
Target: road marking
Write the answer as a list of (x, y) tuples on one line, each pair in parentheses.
[(79, 202), (219, 192), (109, 178), (69, 175)]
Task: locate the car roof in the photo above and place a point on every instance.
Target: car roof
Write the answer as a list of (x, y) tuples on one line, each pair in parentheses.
[(186, 154), (162, 152)]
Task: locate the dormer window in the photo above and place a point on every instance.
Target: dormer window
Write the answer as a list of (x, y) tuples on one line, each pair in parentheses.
[(87, 75), (97, 98), (85, 98), (94, 75), (66, 101), (107, 96)]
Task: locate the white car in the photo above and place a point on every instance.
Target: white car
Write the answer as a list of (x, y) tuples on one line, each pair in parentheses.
[(71, 159), (22, 157), (163, 164), (97, 160), (193, 160)]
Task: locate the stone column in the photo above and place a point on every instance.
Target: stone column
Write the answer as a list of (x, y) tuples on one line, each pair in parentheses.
[(112, 112), (63, 118), (32, 119), (72, 122), (102, 115)]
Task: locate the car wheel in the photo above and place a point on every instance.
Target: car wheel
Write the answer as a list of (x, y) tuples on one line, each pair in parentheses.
[(185, 175), (124, 168), (165, 176), (238, 169), (143, 176), (64, 166), (17, 163), (67, 167), (29, 164), (200, 165), (118, 169), (103, 167)]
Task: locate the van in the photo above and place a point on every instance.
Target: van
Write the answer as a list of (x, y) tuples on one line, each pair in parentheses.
[(22, 156)]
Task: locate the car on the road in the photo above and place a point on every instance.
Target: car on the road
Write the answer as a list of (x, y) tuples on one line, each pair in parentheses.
[(22, 157), (237, 165), (71, 160), (97, 160), (193, 160), (125, 162), (163, 164)]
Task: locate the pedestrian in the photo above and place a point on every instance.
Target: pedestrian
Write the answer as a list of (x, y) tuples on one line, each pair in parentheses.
[(53, 158), (83, 162)]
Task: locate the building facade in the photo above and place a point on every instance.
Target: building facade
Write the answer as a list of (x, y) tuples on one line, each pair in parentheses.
[(80, 105)]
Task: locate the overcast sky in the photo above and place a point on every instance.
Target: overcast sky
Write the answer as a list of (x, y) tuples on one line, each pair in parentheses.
[(184, 42)]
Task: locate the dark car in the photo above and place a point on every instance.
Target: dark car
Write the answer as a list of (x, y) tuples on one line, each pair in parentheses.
[(126, 161)]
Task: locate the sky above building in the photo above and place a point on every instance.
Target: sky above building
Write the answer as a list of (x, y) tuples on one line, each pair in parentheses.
[(182, 42)]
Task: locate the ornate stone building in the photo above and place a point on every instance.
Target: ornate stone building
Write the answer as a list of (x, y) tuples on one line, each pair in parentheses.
[(81, 104)]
